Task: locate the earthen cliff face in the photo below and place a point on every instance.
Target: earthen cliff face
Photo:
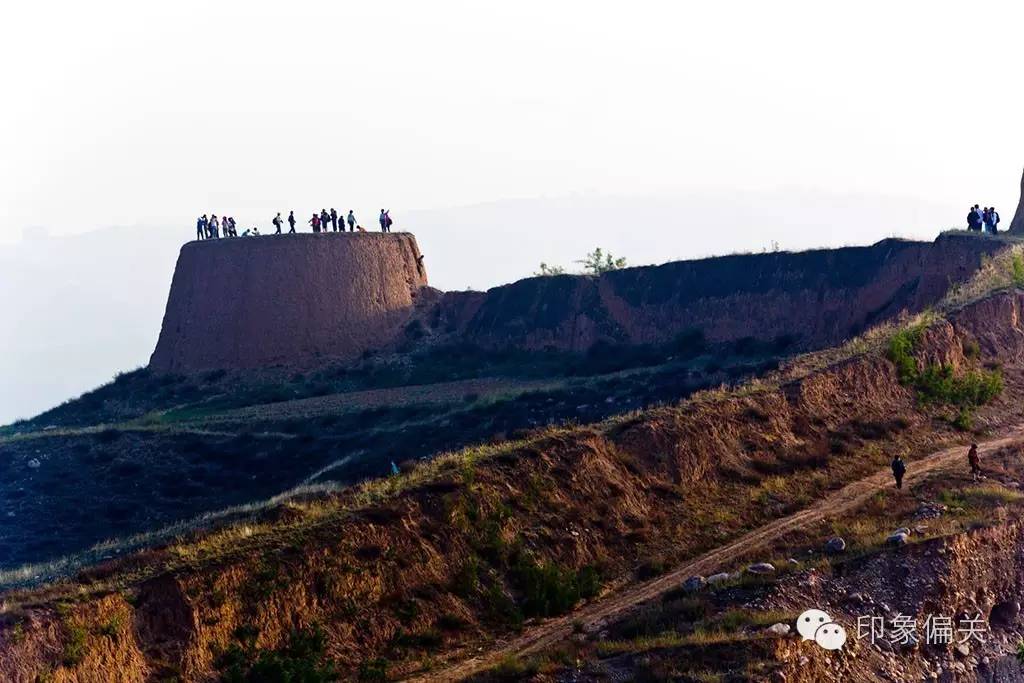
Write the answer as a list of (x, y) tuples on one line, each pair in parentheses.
[(813, 298), (303, 299), (246, 303)]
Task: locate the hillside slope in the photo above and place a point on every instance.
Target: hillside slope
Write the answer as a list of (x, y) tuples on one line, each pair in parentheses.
[(406, 572), (813, 299)]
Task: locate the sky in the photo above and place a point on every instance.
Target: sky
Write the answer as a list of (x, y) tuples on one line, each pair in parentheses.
[(502, 134)]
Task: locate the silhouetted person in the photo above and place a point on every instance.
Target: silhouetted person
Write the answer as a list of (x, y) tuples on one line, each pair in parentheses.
[(214, 226), (387, 220), (229, 227), (315, 222), (974, 219), (992, 220), (291, 221), (974, 461), (351, 221), (325, 219), (334, 220), (383, 220), (277, 223), (201, 227), (899, 468)]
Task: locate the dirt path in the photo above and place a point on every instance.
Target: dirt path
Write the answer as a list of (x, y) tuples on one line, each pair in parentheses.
[(426, 394), (616, 604)]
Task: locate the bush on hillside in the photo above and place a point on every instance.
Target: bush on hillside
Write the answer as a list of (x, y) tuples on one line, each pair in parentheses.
[(938, 384)]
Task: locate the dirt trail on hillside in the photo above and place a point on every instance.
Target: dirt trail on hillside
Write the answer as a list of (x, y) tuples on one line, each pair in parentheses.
[(415, 394), (614, 605)]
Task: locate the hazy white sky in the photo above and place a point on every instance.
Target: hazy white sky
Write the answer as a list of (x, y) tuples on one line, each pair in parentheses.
[(502, 134), (130, 113)]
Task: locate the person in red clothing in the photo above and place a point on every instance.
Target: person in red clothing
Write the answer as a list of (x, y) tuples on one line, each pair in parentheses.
[(974, 461), (315, 222)]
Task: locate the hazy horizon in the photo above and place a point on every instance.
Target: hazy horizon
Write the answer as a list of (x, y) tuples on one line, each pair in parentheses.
[(502, 136), (89, 305)]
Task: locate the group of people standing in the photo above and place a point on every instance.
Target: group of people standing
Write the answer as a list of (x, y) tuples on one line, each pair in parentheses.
[(210, 228), (986, 219), (325, 221)]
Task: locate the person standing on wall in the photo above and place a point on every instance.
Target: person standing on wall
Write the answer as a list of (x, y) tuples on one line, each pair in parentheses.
[(351, 221), (992, 220), (291, 221)]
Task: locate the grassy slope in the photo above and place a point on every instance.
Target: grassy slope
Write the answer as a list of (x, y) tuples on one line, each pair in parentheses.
[(328, 514)]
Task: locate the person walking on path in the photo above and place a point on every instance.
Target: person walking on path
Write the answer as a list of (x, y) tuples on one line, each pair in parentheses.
[(315, 222), (351, 221), (291, 221), (899, 468), (277, 223), (974, 461), (334, 220)]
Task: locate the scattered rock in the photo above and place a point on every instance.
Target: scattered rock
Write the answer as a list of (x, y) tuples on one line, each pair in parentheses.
[(761, 568), (779, 629), (718, 578), (902, 530), (855, 599), (694, 584), (34, 463), (963, 650), (793, 561), (930, 511), (835, 545), (897, 539)]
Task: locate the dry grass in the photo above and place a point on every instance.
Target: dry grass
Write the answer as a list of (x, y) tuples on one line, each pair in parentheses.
[(998, 272)]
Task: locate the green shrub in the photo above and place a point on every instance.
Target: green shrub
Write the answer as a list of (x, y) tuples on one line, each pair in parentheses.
[(549, 590), (963, 421), (74, 644), (374, 670), (1017, 266), (901, 352), (937, 383), (302, 660)]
